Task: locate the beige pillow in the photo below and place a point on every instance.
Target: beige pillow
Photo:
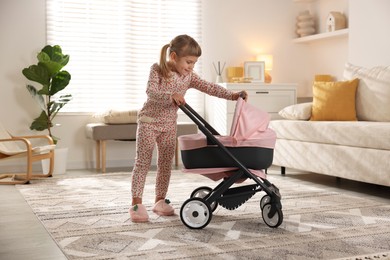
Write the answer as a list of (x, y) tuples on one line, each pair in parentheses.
[(334, 101), (300, 111), (113, 116), (373, 93)]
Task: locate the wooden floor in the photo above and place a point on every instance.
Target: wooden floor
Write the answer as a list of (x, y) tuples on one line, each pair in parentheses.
[(23, 237)]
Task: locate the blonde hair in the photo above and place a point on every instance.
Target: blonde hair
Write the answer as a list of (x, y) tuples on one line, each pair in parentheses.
[(182, 45)]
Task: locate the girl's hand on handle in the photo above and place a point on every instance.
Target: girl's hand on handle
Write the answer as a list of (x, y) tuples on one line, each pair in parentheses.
[(242, 94), (178, 99)]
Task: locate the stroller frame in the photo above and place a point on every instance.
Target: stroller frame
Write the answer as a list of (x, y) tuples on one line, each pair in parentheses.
[(196, 212)]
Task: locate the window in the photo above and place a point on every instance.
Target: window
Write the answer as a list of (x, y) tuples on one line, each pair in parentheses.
[(112, 45)]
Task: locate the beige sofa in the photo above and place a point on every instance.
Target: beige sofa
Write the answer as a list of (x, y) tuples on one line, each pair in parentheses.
[(356, 150)]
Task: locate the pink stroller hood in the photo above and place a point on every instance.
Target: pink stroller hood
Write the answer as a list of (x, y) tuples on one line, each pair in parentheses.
[(249, 128), (248, 121)]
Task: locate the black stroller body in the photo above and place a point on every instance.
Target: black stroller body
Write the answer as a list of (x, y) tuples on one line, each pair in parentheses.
[(232, 159)]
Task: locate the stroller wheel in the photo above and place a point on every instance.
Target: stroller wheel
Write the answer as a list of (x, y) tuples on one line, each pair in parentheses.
[(264, 200), (275, 220), (202, 192), (195, 213)]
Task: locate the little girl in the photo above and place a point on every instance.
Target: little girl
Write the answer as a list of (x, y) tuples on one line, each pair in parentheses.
[(167, 85)]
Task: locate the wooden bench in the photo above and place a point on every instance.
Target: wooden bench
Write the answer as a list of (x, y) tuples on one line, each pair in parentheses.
[(101, 133)]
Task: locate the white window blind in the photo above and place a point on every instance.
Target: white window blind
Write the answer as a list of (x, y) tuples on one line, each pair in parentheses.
[(112, 45)]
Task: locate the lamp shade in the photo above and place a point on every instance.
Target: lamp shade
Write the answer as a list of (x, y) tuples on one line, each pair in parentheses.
[(268, 60)]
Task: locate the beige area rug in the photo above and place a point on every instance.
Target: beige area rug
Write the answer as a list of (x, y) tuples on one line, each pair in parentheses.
[(88, 218)]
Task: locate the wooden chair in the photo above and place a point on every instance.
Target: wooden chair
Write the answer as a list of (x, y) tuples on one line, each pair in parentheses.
[(21, 147)]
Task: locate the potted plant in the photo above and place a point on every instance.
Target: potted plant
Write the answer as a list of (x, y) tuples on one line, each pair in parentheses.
[(49, 74)]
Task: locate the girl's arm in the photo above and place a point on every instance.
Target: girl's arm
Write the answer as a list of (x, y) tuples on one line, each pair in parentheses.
[(215, 89)]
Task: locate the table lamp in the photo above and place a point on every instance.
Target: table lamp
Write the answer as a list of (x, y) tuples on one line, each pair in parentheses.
[(268, 60)]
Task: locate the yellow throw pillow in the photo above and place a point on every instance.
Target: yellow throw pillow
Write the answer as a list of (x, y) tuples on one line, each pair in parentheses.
[(323, 77), (334, 101)]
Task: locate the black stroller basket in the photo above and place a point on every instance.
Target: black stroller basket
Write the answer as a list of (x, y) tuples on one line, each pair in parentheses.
[(196, 212)]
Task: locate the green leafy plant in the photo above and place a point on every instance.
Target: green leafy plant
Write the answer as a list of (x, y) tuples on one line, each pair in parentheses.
[(48, 72)]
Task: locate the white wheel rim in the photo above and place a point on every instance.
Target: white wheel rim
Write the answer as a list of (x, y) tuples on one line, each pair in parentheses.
[(265, 200), (195, 214), (270, 221), (201, 193)]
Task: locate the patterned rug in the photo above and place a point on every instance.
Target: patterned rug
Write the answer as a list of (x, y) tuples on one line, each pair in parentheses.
[(88, 218)]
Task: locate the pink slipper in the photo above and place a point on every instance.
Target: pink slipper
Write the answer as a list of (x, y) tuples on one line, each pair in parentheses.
[(138, 213), (163, 208)]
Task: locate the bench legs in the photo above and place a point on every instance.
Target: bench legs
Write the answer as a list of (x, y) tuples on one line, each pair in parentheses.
[(103, 144), (101, 159), (101, 155), (97, 155)]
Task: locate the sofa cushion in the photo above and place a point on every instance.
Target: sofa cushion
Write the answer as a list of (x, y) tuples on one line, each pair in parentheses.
[(352, 133), (300, 111), (334, 101), (373, 93)]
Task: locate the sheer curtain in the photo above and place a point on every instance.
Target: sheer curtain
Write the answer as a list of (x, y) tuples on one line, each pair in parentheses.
[(113, 43)]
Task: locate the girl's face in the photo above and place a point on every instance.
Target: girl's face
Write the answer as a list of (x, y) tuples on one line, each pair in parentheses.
[(184, 65)]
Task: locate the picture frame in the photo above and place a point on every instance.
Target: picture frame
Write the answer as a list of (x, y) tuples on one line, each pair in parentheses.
[(254, 70)]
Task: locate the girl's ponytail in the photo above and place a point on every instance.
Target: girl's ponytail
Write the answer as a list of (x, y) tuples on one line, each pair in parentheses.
[(163, 61)]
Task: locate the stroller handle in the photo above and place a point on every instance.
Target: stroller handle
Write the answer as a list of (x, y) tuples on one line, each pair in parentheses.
[(197, 119)]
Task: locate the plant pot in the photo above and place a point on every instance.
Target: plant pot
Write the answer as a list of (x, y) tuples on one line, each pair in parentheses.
[(60, 160)]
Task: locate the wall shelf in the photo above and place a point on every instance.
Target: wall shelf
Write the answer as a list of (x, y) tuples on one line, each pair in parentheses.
[(322, 36)]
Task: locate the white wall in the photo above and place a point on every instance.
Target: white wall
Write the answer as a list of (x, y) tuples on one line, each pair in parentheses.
[(328, 56), (233, 31), (369, 37), (236, 31), (22, 33)]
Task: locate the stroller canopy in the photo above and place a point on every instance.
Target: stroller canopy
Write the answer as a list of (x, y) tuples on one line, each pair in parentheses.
[(248, 121), (249, 128)]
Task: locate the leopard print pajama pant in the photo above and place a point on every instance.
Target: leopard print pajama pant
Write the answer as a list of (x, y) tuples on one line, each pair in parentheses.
[(149, 134)]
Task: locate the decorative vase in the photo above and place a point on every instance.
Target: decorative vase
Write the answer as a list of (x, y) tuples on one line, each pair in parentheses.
[(305, 24), (219, 79)]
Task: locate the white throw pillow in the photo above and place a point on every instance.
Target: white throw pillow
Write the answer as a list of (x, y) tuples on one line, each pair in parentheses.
[(300, 111), (113, 116), (373, 92)]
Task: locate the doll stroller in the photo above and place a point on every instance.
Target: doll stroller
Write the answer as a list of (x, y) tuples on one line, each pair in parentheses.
[(245, 154)]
